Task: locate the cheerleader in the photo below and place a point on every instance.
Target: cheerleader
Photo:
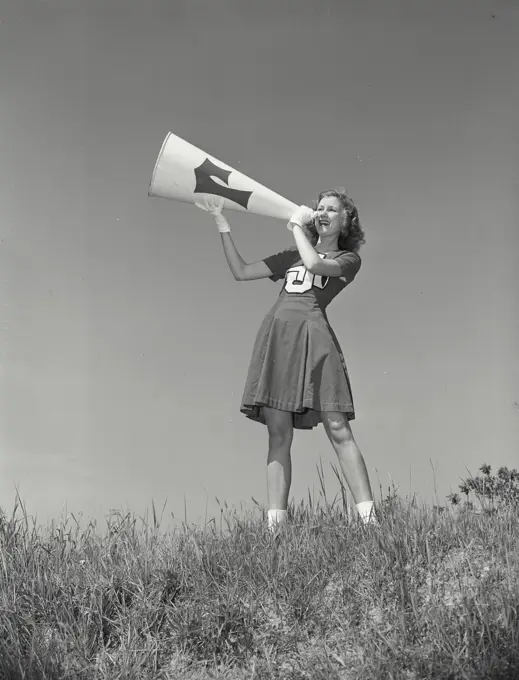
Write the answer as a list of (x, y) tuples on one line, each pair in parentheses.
[(297, 375)]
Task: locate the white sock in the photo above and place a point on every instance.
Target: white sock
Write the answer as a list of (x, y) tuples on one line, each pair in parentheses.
[(366, 512), (276, 517)]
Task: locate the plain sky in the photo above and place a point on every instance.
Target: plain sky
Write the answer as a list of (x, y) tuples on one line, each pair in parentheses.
[(125, 340)]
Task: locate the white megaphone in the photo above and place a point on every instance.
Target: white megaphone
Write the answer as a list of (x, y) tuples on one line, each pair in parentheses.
[(185, 173)]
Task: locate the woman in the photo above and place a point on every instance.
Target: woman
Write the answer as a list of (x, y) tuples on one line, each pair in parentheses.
[(297, 376)]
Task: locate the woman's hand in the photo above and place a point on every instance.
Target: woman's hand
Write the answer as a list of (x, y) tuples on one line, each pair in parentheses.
[(302, 216), (214, 206)]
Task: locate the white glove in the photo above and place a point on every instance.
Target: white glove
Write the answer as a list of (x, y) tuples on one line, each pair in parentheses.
[(303, 215), (214, 205)]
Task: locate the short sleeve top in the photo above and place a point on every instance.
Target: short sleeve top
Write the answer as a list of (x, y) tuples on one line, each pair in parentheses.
[(300, 282)]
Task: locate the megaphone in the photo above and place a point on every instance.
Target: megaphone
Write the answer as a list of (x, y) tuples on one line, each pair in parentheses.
[(184, 172)]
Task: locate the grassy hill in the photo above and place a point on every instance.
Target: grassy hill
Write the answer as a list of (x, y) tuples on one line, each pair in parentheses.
[(428, 594)]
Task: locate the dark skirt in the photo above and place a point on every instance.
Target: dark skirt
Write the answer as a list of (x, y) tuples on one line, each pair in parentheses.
[(297, 365)]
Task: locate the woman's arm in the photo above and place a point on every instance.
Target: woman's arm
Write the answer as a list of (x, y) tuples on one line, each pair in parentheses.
[(241, 270), (313, 263), (306, 250), (311, 259)]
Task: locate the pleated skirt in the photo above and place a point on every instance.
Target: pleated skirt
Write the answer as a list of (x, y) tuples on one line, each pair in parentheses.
[(297, 365)]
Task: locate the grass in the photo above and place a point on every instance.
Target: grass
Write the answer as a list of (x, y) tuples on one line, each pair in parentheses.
[(425, 595)]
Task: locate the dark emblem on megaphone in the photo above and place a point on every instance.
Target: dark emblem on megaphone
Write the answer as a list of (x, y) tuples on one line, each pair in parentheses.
[(205, 183)]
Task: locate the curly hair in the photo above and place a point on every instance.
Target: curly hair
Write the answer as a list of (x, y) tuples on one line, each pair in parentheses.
[(351, 237)]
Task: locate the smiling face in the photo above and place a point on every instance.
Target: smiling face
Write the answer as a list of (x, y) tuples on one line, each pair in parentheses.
[(331, 216)]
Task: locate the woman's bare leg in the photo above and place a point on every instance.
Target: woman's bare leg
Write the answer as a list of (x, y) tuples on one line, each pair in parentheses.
[(279, 463), (350, 458)]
